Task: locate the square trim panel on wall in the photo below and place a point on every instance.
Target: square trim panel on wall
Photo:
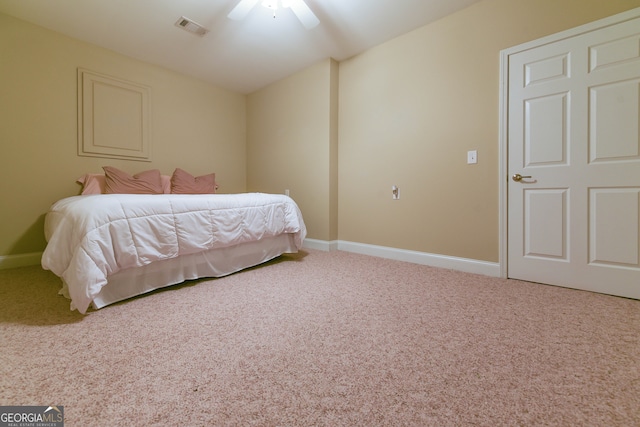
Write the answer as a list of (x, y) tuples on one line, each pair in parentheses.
[(113, 117)]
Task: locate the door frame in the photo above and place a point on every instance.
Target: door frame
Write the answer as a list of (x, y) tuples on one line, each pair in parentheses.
[(503, 150)]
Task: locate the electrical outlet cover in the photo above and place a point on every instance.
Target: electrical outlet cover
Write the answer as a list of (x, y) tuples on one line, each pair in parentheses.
[(472, 157)]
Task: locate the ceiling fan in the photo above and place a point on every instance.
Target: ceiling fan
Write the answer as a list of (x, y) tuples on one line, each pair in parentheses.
[(299, 8)]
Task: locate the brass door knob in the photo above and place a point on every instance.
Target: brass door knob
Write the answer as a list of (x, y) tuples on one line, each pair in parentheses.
[(517, 177)]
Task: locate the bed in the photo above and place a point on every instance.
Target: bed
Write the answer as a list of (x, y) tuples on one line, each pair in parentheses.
[(110, 247)]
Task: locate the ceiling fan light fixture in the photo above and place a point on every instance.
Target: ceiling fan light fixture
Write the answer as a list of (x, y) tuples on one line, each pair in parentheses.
[(306, 16), (242, 9), (270, 4)]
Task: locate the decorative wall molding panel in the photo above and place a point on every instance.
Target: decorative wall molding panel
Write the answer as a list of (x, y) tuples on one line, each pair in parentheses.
[(113, 117)]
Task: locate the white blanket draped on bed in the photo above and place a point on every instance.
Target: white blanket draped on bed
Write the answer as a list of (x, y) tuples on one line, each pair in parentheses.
[(92, 237)]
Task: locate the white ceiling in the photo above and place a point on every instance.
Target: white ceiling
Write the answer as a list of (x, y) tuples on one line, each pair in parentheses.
[(242, 56)]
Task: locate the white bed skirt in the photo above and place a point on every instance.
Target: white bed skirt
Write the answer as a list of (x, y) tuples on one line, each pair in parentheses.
[(213, 263)]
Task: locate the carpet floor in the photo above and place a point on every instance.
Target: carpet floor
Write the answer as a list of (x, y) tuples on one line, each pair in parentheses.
[(325, 339)]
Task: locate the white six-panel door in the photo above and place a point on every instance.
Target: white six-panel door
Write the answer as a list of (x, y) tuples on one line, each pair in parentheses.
[(573, 192)]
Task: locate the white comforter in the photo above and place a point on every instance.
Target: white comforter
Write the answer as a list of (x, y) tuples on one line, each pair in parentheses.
[(92, 237)]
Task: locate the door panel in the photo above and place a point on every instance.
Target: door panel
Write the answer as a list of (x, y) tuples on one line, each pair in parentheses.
[(547, 69), (573, 134), (614, 227), (615, 109), (545, 138), (615, 52), (545, 224)]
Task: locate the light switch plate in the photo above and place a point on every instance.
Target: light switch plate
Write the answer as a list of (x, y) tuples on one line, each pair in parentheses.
[(472, 157)]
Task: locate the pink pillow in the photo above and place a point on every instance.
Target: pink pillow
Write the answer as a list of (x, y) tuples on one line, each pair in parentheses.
[(92, 183), (166, 183), (183, 182), (120, 182)]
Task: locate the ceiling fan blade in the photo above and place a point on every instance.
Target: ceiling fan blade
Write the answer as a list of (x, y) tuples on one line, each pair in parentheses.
[(242, 9), (304, 14)]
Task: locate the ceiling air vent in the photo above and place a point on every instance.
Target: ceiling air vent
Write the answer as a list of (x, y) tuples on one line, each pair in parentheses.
[(190, 26)]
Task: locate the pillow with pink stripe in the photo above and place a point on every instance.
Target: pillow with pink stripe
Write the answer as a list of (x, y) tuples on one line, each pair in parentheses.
[(183, 182), (120, 182), (92, 183)]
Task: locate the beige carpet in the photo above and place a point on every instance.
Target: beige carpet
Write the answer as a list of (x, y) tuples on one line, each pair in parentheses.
[(325, 339)]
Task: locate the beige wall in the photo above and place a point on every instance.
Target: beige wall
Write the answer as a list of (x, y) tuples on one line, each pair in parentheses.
[(337, 136), (410, 109), (195, 126), (292, 144)]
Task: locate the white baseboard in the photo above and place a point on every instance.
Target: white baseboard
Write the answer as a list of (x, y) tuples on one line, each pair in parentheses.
[(433, 260), (22, 260), (424, 258), (321, 245)]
